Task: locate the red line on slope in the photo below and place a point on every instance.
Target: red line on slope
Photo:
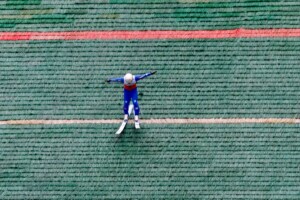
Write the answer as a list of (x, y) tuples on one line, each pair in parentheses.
[(150, 35)]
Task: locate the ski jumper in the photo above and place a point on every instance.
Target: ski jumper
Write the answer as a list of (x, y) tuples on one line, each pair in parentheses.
[(130, 92)]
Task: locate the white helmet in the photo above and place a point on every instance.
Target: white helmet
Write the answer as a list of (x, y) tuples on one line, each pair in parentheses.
[(128, 78)]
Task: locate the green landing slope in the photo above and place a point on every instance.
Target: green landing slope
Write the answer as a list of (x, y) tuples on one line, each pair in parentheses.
[(196, 78), (158, 161), (57, 15)]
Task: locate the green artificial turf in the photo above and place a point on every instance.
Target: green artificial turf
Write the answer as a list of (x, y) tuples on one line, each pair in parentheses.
[(215, 78), (50, 15), (158, 161), (218, 78)]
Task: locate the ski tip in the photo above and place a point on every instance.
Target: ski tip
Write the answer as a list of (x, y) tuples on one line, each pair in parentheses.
[(120, 130), (137, 125)]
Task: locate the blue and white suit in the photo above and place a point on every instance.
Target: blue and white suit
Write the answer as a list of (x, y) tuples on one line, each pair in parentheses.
[(130, 91)]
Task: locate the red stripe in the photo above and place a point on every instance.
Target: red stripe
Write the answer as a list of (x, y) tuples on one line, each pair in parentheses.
[(130, 87), (150, 35)]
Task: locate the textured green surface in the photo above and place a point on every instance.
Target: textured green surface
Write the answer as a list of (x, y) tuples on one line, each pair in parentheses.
[(50, 15), (187, 161), (195, 79)]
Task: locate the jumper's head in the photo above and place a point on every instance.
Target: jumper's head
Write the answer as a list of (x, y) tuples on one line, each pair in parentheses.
[(128, 78)]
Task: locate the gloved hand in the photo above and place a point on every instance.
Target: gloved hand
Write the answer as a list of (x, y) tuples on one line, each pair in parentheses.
[(154, 72), (107, 80)]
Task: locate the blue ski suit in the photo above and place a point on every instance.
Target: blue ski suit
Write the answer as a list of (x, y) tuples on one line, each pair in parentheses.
[(130, 91)]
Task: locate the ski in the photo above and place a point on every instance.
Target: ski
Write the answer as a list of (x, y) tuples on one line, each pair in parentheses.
[(137, 125), (124, 123), (120, 130)]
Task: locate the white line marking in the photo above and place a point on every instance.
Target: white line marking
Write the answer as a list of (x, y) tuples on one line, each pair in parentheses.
[(37, 122), (159, 121)]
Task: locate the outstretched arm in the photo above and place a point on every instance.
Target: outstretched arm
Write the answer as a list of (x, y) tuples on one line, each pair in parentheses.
[(118, 80), (140, 77)]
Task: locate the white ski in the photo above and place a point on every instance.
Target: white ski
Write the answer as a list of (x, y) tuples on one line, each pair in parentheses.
[(124, 123), (137, 125)]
